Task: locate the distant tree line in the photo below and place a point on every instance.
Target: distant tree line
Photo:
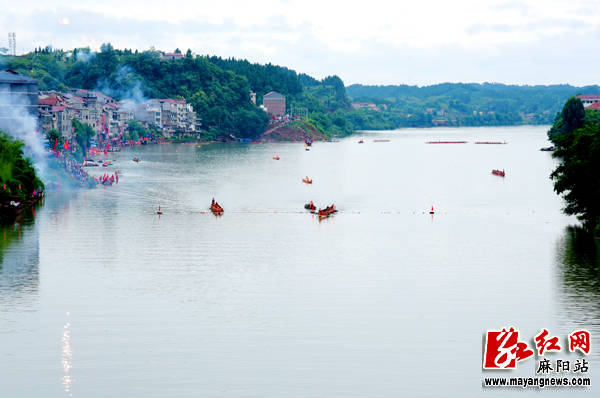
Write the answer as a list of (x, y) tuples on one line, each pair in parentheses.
[(466, 104)]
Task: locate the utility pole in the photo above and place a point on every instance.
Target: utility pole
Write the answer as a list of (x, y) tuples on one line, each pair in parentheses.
[(12, 43)]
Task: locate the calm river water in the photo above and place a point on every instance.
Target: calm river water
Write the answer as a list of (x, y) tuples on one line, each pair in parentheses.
[(100, 297)]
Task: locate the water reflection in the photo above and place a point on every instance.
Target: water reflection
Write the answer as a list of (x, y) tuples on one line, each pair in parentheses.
[(19, 257), (578, 261), (67, 357)]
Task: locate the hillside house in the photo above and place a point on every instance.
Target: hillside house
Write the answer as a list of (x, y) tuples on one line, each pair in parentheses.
[(274, 103)]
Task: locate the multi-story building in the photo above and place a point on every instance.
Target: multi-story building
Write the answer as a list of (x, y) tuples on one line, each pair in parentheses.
[(371, 106), (176, 115), (274, 102), (18, 100), (171, 56)]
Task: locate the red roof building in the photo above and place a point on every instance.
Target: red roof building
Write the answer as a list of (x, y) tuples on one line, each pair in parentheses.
[(589, 99), (595, 106)]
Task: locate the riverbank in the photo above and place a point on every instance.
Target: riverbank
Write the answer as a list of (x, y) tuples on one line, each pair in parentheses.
[(20, 187), (13, 207)]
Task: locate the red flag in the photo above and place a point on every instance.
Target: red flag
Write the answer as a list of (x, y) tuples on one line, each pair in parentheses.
[(19, 187), (66, 145), (55, 144)]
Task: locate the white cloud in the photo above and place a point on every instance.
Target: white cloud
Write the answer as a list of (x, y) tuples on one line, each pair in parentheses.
[(372, 41)]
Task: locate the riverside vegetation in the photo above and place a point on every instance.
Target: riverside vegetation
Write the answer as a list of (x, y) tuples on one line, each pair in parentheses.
[(576, 136), (18, 180)]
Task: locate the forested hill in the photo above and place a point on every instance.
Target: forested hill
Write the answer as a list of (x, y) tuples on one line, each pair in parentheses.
[(472, 103), (219, 89)]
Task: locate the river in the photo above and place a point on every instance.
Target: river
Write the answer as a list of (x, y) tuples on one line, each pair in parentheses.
[(100, 296)]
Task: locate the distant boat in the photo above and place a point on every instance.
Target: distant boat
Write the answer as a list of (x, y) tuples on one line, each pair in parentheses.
[(446, 142), (216, 208), (548, 149), (431, 211), (307, 180), (310, 206), (491, 142), (276, 157), (499, 173), (326, 212), (381, 140), (361, 141)]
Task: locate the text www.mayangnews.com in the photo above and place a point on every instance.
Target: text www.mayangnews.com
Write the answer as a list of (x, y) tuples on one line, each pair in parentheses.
[(539, 382)]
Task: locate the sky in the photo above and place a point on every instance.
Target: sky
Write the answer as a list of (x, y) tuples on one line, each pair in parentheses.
[(367, 42)]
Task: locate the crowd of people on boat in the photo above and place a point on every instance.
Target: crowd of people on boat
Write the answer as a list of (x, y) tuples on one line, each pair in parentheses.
[(108, 179)]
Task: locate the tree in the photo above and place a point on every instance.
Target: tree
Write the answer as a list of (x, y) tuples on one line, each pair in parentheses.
[(54, 137), (570, 118), (83, 134), (16, 171), (577, 177)]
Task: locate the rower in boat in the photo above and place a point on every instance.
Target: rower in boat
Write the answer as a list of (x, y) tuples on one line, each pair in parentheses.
[(326, 212), (307, 180), (216, 208), (310, 206)]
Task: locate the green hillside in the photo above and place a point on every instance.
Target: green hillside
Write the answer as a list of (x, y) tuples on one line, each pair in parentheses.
[(472, 104), (219, 89)]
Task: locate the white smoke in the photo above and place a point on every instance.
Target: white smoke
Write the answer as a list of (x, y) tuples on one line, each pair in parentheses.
[(83, 56), (17, 120), (124, 84)]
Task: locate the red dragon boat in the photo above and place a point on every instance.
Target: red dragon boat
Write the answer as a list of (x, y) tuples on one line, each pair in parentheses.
[(499, 173), (216, 208), (310, 206), (326, 212)]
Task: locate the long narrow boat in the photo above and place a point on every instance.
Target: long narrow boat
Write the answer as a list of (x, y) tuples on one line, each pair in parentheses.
[(446, 142), (491, 142), (499, 173), (326, 212)]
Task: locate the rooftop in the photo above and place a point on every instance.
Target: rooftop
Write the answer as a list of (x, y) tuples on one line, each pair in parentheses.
[(589, 96), (595, 106), (273, 94), (10, 76)]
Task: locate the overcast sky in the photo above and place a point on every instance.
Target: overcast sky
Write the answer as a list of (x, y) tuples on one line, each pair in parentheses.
[(368, 41)]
